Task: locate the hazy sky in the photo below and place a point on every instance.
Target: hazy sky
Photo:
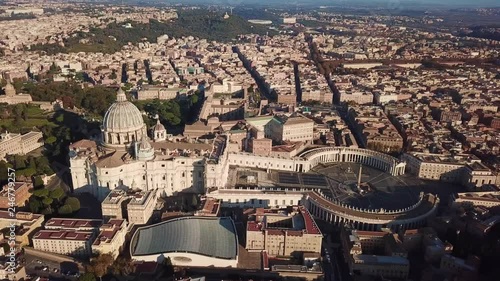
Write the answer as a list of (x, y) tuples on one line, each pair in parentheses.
[(381, 3)]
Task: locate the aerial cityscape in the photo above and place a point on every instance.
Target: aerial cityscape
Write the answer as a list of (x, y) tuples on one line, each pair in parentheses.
[(249, 140)]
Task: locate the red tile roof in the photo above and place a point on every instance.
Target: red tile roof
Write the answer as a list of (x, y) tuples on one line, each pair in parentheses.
[(106, 236), (146, 267), (63, 235), (5, 190), (74, 223), (311, 227), (116, 222), (254, 226), (210, 208)]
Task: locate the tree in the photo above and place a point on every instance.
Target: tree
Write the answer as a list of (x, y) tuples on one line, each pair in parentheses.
[(194, 201), (27, 172), (47, 201), (47, 211), (99, 265), (32, 163), (19, 162), (122, 267), (51, 140), (194, 98), (73, 202), (35, 205), (57, 194), (113, 75), (43, 166), (54, 69), (3, 172), (80, 76), (87, 276), (65, 210), (41, 193), (38, 182)]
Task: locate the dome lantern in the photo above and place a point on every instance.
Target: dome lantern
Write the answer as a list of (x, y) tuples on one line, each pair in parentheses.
[(120, 96)]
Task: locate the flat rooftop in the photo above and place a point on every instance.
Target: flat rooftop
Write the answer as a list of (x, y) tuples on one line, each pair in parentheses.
[(380, 260), (63, 235), (73, 223), (114, 197), (140, 198)]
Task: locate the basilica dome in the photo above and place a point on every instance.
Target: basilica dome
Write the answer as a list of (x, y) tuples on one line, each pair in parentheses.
[(123, 123), (9, 89)]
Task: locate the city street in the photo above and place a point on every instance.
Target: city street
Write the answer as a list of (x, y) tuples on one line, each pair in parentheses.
[(330, 261)]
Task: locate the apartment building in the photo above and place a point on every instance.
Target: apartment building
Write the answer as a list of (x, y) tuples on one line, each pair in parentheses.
[(374, 129), (64, 242), (111, 237), (141, 207), (466, 169), (261, 147), (26, 223), (282, 234), (487, 199), (375, 253), (290, 128), (114, 205), (149, 92), (357, 97), (20, 190)]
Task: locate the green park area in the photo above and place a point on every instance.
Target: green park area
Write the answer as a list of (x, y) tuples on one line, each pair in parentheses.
[(198, 23)]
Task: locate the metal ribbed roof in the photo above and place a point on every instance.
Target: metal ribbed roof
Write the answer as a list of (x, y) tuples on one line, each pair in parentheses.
[(215, 237)]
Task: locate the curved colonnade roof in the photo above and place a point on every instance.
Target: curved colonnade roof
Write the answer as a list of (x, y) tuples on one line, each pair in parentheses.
[(428, 202), (312, 152)]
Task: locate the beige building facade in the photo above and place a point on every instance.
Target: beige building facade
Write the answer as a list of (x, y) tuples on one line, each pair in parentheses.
[(284, 235), (64, 242), (374, 253), (11, 97), (11, 144), (465, 169), (141, 207), (111, 237), (293, 128)]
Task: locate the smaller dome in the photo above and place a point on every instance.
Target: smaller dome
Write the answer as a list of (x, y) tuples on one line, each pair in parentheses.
[(144, 150), (9, 89), (159, 126), (144, 145)]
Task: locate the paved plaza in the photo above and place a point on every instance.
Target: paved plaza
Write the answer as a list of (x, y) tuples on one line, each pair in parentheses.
[(389, 192)]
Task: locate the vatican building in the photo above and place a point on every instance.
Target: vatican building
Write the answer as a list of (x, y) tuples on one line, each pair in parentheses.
[(362, 187), (126, 158)]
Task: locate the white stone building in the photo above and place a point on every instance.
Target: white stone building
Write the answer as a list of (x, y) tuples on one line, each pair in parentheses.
[(11, 144), (11, 97), (64, 242), (111, 237), (126, 158)]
